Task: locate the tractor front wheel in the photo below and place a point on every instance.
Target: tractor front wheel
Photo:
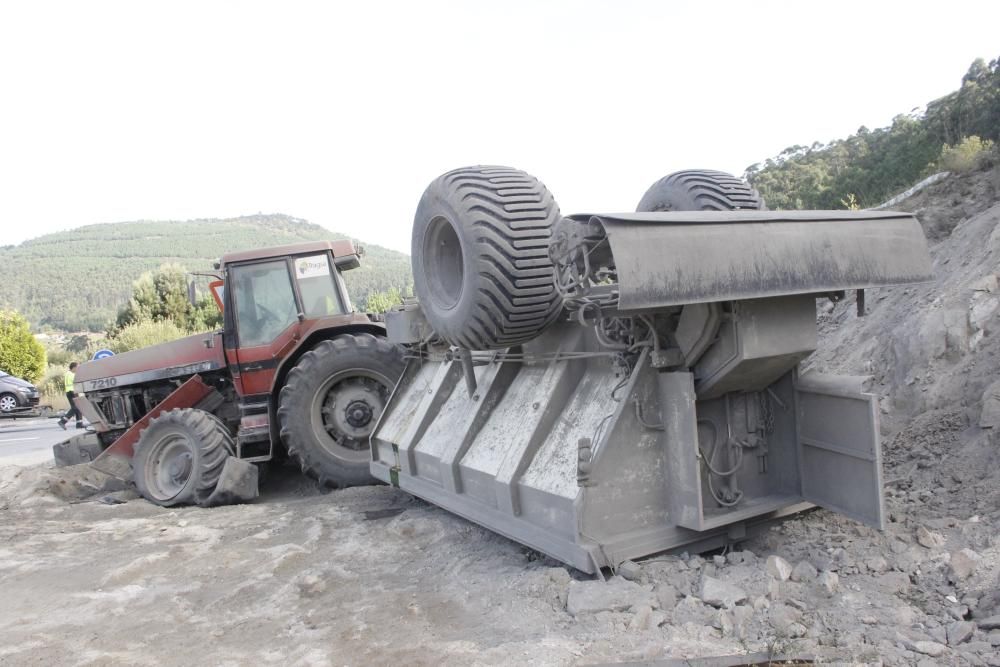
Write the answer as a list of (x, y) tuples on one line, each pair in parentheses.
[(330, 403), (179, 457)]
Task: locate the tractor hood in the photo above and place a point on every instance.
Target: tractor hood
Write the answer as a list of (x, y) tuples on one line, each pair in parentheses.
[(180, 358)]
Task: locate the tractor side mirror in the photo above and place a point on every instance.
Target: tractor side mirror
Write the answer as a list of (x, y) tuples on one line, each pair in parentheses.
[(192, 294)]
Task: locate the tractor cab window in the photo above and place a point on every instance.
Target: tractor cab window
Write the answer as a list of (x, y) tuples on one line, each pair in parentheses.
[(265, 302), (317, 286)]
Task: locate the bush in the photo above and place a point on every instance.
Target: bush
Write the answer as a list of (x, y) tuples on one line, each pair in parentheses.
[(380, 302), (21, 354), (52, 384), (143, 334), (968, 155)]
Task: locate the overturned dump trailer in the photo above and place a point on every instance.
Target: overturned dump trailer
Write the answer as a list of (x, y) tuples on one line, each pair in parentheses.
[(605, 387)]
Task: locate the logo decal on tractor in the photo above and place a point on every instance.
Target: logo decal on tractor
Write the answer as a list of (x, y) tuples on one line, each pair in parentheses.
[(313, 266)]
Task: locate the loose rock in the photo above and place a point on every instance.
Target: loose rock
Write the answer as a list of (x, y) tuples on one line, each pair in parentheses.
[(779, 568), (877, 564), (642, 620), (782, 617), (667, 596), (962, 565), (933, 649), (804, 571), (990, 623), (615, 594), (990, 415), (960, 631), (928, 538), (629, 570), (895, 582), (829, 581), (719, 593)]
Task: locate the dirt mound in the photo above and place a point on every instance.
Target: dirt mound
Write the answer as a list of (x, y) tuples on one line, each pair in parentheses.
[(42, 484), (943, 205)]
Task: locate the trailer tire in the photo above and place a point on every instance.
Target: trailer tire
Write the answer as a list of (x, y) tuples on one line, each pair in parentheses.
[(330, 404), (179, 457), (481, 267), (700, 190)]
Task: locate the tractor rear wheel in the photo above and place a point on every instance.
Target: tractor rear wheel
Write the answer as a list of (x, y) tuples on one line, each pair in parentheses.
[(700, 190), (179, 457), (330, 403), (481, 266)]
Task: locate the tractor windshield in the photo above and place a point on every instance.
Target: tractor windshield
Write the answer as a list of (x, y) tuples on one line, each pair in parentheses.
[(265, 302), (317, 287)]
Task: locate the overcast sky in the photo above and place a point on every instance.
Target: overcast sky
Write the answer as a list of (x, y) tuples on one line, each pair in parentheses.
[(341, 113)]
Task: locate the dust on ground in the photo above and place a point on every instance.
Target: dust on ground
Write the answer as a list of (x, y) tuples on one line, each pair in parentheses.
[(371, 575)]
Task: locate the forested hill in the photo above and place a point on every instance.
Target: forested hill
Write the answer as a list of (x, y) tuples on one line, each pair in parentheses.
[(957, 132), (79, 279)]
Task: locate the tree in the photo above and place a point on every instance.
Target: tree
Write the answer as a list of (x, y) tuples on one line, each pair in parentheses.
[(873, 165), (145, 333), (162, 295), (21, 354), (78, 344), (380, 302)]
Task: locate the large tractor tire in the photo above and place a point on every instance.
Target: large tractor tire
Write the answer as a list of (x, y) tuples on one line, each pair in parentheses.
[(481, 267), (330, 403), (700, 190), (179, 457)]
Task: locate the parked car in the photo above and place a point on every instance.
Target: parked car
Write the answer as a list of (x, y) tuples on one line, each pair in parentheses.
[(16, 393)]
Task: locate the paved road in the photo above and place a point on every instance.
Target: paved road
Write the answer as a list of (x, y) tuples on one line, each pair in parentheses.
[(29, 441)]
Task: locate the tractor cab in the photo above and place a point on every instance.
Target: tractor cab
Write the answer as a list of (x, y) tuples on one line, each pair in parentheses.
[(311, 271), (277, 304)]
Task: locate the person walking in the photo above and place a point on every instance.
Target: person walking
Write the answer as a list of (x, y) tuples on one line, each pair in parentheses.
[(68, 379)]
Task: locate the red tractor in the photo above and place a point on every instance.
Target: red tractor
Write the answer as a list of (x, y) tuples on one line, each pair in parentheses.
[(294, 370)]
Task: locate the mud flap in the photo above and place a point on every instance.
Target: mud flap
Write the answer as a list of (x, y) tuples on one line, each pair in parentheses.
[(840, 453), (237, 484)]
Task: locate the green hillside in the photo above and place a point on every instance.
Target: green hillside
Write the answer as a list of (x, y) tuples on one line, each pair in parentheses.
[(870, 166), (79, 279)]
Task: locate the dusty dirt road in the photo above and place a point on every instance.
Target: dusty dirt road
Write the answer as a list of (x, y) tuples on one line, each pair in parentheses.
[(361, 576), (372, 576)]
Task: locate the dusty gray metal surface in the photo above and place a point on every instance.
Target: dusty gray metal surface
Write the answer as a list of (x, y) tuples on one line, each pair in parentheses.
[(551, 452), (666, 410), (841, 455), (667, 259)]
